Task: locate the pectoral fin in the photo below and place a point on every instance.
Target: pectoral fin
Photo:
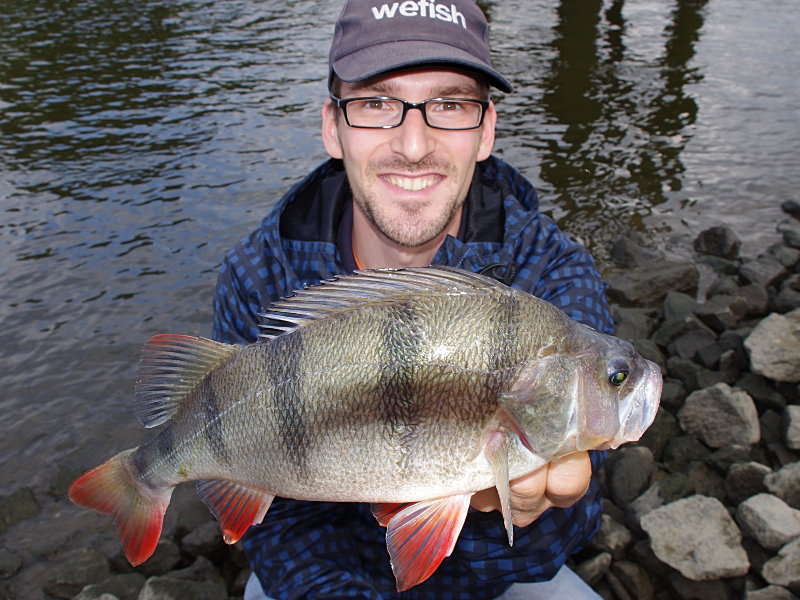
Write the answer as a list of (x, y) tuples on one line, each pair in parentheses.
[(497, 454), (420, 535)]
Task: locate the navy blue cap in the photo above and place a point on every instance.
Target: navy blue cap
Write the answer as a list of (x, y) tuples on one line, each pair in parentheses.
[(373, 37)]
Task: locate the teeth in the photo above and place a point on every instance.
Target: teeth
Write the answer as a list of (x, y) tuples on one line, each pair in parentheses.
[(410, 184)]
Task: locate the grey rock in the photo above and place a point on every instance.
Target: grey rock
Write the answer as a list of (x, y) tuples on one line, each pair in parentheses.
[(721, 416), (769, 520), (686, 589), (697, 537), (124, 586), (10, 562), (791, 424), (631, 468), (719, 241), (745, 480), (771, 592), (764, 270), (678, 306), (785, 484), (762, 391), (206, 540), (167, 588), (774, 347), (690, 343), (663, 429), (166, 557), (755, 298), (594, 569), (79, 569), (633, 323), (673, 394), (722, 312), (786, 300), (681, 450), (791, 207), (723, 458), (704, 480), (612, 537), (784, 569), (648, 286), (630, 251), (634, 579), (650, 500), (16, 507)]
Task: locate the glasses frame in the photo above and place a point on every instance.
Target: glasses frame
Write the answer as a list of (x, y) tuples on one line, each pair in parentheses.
[(343, 102)]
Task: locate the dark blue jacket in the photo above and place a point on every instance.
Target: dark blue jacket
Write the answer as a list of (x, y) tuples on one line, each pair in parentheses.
[(337, 550)]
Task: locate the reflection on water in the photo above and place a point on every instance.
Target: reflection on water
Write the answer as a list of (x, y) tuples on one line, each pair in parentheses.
[(140, 139)]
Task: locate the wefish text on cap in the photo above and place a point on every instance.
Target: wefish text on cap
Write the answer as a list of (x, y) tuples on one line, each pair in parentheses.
[(373, 37)]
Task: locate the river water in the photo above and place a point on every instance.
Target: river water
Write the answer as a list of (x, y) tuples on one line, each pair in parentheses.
[(142, 138)]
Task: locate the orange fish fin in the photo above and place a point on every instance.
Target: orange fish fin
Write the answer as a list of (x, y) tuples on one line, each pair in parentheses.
[(171, 366), (137, 510), (235, 506), (421, 535), (384, 512), (497, 455)]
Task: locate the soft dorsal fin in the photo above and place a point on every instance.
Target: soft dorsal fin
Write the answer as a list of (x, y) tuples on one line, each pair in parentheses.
[(347, 292), (171, 366)]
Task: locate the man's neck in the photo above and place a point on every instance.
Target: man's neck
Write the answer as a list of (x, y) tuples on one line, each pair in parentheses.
[(373, 250)]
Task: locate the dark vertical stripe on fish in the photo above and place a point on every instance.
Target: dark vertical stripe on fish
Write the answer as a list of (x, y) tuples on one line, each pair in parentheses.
[(214, 430), (288, 398), (160, 450), (397, 386)]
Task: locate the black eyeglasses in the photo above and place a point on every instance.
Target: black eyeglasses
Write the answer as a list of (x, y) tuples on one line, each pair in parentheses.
[(380, 112)]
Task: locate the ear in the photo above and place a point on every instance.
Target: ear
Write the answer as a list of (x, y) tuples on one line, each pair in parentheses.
[(330, 129), (487, 133)]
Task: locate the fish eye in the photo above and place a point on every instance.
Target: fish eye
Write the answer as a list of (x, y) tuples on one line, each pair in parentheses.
[(617, 370)]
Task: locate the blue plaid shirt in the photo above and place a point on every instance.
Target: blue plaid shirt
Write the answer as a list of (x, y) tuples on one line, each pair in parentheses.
[(326, 550)]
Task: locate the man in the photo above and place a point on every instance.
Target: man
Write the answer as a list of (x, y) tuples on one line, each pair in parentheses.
[(411, 182)]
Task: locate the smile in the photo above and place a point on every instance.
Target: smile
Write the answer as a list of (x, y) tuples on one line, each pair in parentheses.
[(412, 184)]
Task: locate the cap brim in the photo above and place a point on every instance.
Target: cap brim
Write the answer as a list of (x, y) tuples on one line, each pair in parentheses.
[(391, 56)]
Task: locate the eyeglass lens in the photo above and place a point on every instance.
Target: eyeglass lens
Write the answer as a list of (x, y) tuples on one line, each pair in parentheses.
[(446, 113)]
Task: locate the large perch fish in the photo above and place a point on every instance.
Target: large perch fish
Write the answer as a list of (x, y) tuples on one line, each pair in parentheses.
[(410, 389)]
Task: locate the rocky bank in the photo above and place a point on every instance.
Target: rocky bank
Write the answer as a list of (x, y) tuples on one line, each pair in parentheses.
[(706, 505)]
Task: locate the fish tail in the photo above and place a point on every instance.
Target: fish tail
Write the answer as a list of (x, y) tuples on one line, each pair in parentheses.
[(137, 509)]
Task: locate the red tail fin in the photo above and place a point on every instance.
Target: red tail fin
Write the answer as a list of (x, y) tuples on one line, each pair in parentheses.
[(137, 509)]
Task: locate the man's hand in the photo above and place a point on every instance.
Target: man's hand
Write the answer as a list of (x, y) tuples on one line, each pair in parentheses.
[(559, 483)]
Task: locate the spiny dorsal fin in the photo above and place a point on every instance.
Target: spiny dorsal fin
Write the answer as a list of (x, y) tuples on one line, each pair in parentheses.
[(347, 292), (171, 366)]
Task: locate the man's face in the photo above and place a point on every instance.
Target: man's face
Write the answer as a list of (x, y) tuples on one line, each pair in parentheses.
[(410, 181)]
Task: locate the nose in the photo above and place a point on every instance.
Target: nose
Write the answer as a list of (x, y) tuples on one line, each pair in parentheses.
[(413, 139)]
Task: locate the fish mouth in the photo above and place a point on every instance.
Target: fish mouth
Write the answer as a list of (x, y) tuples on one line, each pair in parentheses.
[(639, 408)]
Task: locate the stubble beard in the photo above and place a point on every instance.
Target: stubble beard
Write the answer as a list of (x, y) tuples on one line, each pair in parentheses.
[(403, 223)]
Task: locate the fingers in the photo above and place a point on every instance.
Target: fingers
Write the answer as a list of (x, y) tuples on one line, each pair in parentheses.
[(568, 479), (560, 483)]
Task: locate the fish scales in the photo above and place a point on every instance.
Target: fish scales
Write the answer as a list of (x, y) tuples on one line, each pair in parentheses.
[(383, 387)]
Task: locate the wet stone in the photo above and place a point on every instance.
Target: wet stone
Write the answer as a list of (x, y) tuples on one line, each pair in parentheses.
[(79, 569), (125, 586), (612, 537), (785, 483), (774, 347), (648, 286), (791, 426), (16, 507), (681, 450), (206, 540), (686, 589), (167, 588), (771, 592), (722, 312), (719, 241), (10, 562), (784, 569), (663, 429), (792, 208), (594, 569), (166, 557), (631, 468), (697, 537), (764, 270), (769, 520), (634, 579), (720, 416), (745, 480)]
